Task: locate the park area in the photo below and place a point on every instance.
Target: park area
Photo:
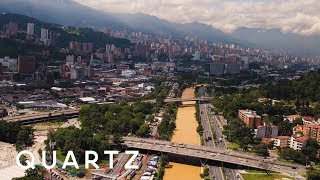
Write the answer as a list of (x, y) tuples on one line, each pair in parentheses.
[(254, 175)]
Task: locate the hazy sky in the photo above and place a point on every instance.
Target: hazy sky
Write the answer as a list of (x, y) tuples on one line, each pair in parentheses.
[(297, 16)]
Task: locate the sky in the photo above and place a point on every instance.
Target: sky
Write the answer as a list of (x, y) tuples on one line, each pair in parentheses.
[(294, 16)]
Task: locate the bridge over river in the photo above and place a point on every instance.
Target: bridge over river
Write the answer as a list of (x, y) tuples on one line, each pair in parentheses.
[(213, 155)]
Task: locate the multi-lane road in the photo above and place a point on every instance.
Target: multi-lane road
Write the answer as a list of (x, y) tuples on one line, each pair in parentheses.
[(214, 171), (41, 116), (212, 126), (213, 154)]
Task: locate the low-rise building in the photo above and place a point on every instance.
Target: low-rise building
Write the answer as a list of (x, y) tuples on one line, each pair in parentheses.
[(308, 130), (292, 118), (297, 143), (294, 142), (308, 120), (282, 141)]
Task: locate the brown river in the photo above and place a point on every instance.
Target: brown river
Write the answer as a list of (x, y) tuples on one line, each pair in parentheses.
[(185, 132)]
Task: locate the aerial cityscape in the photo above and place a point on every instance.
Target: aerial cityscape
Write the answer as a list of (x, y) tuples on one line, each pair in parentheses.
[(159, 90)]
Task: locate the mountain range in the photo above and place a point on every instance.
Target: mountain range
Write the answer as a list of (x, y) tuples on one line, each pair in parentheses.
[(71, 13)]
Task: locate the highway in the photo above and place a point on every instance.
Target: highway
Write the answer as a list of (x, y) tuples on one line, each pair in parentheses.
[(217, 127), (41, 116), (187, 99), (215, 172), (213, 154), (44, 116)]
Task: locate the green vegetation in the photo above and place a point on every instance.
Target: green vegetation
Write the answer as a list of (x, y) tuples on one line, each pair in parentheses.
[(159, 93), (33, 174), (21, 46), (116, 118), (79, 140), (168, 123), (102, 127), (230, 104), (297, 97), (67, 34), (313, 175), (9, 131), (163, 162), (205, 175), (233, 145), (263, 176), (237, 132), (13, 133), (198, 118), (305, 156), (25, 137)]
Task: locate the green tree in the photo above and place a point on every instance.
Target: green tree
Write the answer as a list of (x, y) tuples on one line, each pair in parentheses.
[(313, 175), (33, 174), (311, 149), (285, 128), (294, 155), (237, 132), (9, 131), (144, 130), (25, 137)]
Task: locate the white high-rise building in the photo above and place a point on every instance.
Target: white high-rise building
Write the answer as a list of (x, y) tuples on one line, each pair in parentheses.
[(44, 36), (30, 29), (196, 55), (44, 33)]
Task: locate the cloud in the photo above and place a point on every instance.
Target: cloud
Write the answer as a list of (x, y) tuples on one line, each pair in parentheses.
[(300, 17)]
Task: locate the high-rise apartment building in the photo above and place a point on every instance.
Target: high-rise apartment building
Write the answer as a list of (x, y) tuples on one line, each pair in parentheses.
[(30, 29), (197, 55), (26, 64), (217, 69), (250, 118), (232, 68), (44, 36), (11, 29)]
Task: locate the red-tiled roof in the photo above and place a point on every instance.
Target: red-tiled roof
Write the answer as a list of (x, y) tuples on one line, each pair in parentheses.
[(302, 139), (283, 137)]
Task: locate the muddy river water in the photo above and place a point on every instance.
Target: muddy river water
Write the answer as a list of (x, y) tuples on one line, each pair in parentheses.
[(185, 132)]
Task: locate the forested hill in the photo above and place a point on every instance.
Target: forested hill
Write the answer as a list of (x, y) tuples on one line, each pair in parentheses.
[(306, 88), (67, 34)]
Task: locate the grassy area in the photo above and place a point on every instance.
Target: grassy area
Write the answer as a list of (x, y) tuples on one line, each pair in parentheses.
[(201, 139), (264, 176), (233, 145), (60, 156), (73, 31), (52, 123)]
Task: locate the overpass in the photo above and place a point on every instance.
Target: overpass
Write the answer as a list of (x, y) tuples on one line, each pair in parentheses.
[(169, 100), (211, 155), (42, 117), (186, 99)]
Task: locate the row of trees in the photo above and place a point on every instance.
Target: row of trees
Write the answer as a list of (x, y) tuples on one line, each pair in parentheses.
[(198, 118), (21, 136), (116, 118), (163, 162), (298, 95), (308, 154), (168, 123), (103, 126), (79, 140), (237, 132), (230, 104)]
